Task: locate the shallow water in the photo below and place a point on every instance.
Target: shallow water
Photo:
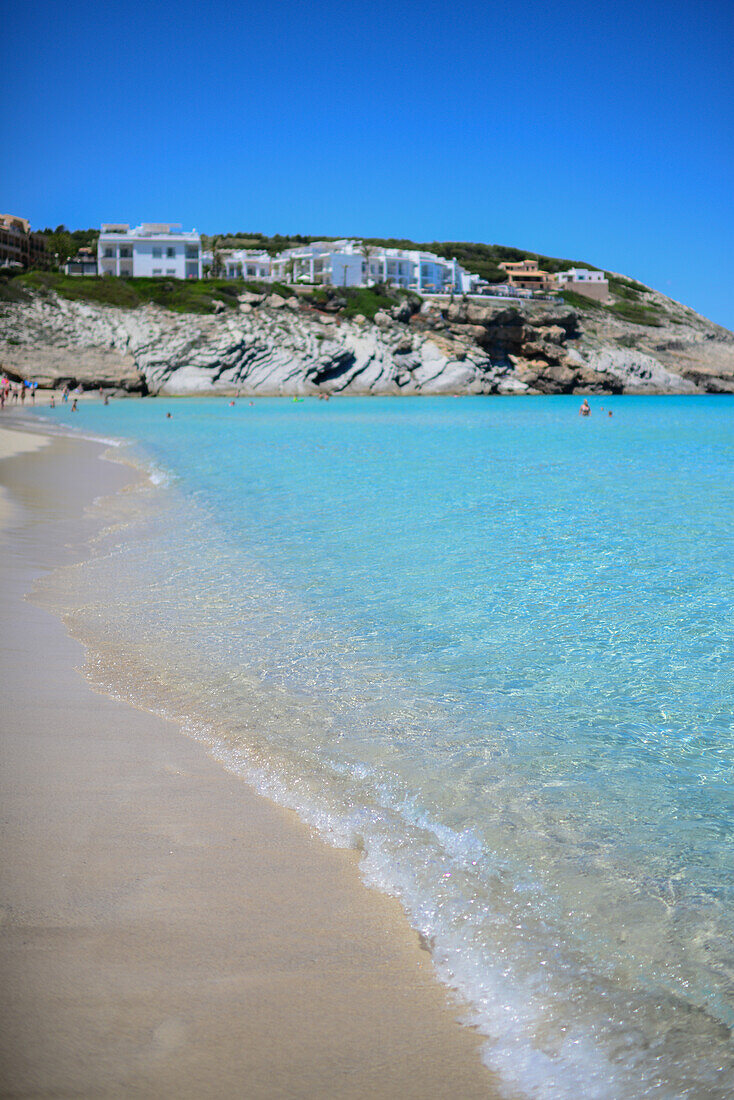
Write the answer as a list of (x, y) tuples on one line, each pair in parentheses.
[(489, 642)]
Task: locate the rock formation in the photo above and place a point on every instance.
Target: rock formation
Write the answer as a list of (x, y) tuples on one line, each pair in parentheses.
[(276, 345)]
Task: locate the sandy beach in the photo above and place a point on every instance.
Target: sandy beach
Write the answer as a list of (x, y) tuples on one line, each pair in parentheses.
[(165, 931)]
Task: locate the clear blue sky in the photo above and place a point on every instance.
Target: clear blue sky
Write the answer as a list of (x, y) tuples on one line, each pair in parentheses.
[(602, 132)]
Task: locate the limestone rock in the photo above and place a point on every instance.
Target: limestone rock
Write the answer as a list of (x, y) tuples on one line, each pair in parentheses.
[(54, 367), (638, 372), (404, 310), (285, 346), (552, 334)]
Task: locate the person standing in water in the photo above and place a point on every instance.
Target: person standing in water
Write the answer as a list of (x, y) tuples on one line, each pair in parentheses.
[(585, 409)]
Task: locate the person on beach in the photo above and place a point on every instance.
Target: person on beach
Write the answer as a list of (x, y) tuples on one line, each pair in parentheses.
[(53, 402), (73, 405), (585, 409), (106, 400), (65, 394), (33, 392)]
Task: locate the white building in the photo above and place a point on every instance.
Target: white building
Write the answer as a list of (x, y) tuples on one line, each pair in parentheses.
[(149, 250), (241, 263), (592, 284), (352, 263)]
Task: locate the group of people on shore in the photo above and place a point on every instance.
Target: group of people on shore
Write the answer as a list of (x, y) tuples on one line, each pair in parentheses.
[(16, 392)]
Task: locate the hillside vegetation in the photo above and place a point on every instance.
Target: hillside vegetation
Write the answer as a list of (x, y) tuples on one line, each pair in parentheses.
[(191, 296)]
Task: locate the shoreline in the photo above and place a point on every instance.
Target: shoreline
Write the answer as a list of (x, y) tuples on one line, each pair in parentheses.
[(166, 930)]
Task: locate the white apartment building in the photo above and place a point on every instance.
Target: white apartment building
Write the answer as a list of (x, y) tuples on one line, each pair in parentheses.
[(352, 263), (150, 250), (241, 263)]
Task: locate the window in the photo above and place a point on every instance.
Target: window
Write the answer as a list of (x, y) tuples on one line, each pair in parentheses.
[(157, 271), (251, 271), (171, 253), (157, 253), (192, 252), (108, 253), (170, 271), (125, 253)]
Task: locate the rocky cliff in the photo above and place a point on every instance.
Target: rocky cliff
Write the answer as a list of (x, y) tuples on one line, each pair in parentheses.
[(274, 345)]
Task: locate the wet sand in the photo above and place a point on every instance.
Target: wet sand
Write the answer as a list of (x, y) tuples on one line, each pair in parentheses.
[(164, 930)]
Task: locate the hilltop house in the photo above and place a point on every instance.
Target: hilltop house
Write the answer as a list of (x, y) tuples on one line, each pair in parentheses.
[(592, 284), (150, 249), (526, 275), (84, 263)]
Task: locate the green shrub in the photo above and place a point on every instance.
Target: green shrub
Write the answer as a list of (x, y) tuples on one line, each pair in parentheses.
[(637, 314), (366, 300), (627, 289), (580, 301), (11, 289), (181, 296)]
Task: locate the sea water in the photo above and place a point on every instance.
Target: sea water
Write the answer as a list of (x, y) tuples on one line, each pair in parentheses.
[(489, 643)]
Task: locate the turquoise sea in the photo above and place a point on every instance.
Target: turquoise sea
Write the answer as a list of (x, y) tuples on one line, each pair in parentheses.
[(489, 643)]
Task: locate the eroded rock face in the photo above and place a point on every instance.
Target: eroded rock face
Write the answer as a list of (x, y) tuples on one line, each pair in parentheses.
[(273, 345), (267, 350), (55, 367)]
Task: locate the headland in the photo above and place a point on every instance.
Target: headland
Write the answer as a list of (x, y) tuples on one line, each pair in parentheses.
[(141, 336)]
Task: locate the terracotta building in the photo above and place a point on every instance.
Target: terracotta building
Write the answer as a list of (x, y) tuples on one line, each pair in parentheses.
[(19, 247), (526, 275)]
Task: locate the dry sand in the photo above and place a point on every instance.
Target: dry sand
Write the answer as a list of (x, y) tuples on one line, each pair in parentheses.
[(164, 930)]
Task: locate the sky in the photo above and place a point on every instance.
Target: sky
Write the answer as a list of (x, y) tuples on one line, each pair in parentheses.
[(601, 132)]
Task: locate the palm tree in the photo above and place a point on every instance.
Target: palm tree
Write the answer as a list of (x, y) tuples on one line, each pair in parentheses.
[(368, 251)]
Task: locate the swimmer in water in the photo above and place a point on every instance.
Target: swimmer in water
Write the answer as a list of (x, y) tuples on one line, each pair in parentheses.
[(585, 409)]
